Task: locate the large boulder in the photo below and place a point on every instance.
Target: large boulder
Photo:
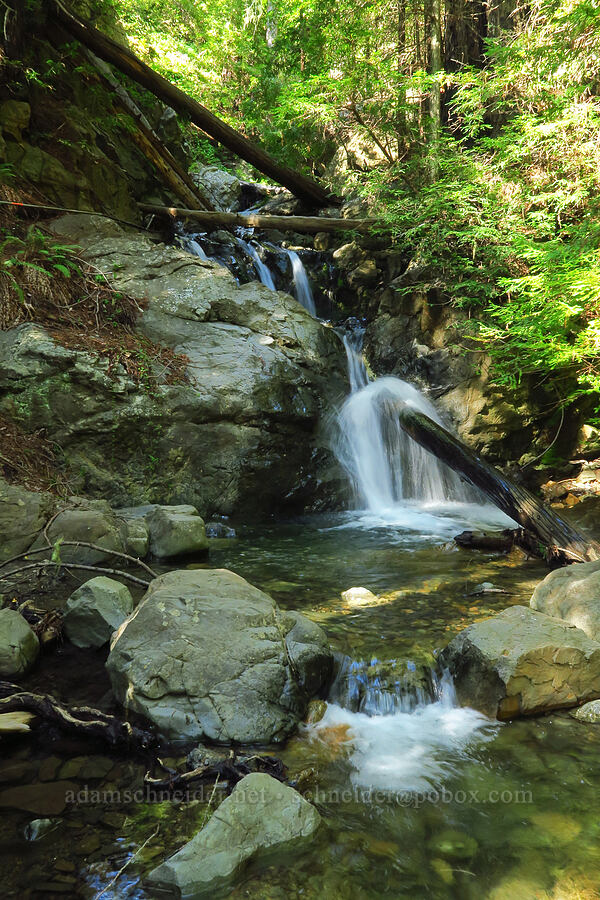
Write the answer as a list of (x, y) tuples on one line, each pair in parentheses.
[(522, 662), (262, 820), (95, 610), (262, 374), (223, 188), (23, 514), (90, 521), (206, 654), (573, 594), (19, 646), (176, 531)]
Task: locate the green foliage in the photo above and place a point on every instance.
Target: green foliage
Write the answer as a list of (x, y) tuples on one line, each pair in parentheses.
[(34, 253), (510, 231)]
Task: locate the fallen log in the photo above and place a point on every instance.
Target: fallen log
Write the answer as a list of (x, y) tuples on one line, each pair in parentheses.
[(127, 62), (80, 720), (305, 224), (560, 542), (172, 173)]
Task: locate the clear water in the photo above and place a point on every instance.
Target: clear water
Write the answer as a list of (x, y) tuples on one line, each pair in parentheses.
[(429, 801)]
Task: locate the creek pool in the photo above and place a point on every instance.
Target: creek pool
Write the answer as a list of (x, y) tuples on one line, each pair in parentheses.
[(437, 802)]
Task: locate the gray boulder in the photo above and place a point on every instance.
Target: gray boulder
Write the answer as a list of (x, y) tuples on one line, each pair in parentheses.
[(572, 594), (263, 374), (206, 654), (224, 189), (262, 820), (176, 531), (589, 712), (23, 514), (522, 662), (95, 610), (19, 646), (91, 521)]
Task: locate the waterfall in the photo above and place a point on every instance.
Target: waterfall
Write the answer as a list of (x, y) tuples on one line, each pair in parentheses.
[(385, 466), (189, 243), (301, 283), (262, 270)]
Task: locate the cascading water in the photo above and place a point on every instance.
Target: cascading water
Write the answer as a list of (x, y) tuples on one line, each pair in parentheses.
[(395, 480), (385, 465), (301, 283), (399, 733), (189, 242), (262, 270)]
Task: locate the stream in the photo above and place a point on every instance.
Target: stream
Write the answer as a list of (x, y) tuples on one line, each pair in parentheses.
[(421, 798)]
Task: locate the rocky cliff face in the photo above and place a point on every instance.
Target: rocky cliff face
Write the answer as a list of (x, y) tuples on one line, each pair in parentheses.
[(243, 433)]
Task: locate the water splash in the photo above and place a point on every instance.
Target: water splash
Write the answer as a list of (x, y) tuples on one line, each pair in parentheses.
[(302, 286), (395, 734), (262, 270), (190, 243)]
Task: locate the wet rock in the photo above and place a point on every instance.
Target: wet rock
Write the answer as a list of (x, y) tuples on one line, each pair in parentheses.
[(176, 531), (219, 530), (589, 712), (244, 429), (49, 799), (84, 767), (95, 610), (49, 768), (261, 820), (522, 662), (451, 844), (315, 711), (19, 646), (13, 771), (572, 594), (207, 654), (359, 596), (23, 514)]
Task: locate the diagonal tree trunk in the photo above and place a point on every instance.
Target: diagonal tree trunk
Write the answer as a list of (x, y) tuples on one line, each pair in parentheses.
[(562, 543), (127, 62)]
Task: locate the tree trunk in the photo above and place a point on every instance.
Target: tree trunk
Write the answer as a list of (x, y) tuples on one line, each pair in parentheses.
[(561, 542), (305, 224), (150, 144), (303, 187), (435, 66)]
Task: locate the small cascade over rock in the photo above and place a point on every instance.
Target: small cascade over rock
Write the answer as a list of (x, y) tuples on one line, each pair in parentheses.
[(274, 265), (262, 270), (380, 688), (386, 467), (400, 724), (302, 287)]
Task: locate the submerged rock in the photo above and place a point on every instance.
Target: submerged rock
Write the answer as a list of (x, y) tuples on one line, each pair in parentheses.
[(263, 820), (19, 646), (573, 594), (522, 662), (359, 596), (95, 610), (207, 654)]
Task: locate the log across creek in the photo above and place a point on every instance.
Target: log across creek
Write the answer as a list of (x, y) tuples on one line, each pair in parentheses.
[(557, 540)]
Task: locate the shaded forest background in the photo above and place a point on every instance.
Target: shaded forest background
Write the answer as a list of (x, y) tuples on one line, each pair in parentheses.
[(471, 129)]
